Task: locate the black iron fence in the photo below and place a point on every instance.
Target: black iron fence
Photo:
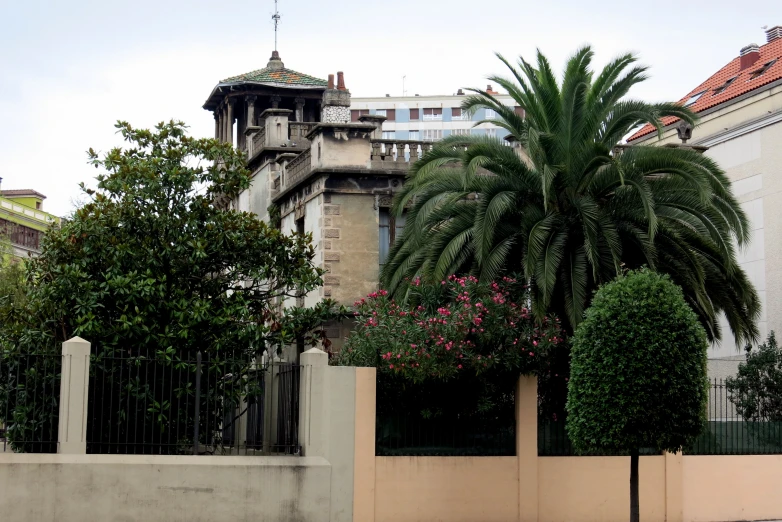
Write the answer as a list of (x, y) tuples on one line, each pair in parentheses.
[(29, 402), (727, 433), (400, 434), (189, 403), (553, 441)]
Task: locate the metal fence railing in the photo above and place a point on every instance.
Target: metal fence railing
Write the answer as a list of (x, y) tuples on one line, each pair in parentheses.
[(727, 433), (401, 434), (553, 441), (187, 403), (29, 402)]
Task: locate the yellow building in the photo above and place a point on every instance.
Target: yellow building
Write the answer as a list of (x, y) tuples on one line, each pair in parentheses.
[(23, 221)]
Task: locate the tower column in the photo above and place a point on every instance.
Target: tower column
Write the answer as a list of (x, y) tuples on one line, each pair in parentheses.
[(217, 123), (250, 99), (276, 102), (299, 109), (230, 128)]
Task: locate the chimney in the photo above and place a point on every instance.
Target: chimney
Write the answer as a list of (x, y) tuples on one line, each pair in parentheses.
[(341, 81), (331, 81), (775, 33), (460, 93), (749, 55)]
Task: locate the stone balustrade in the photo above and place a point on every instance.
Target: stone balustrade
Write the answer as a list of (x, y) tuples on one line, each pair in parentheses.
[(297, 133), (298, 168), (259, 140), (399, 151)]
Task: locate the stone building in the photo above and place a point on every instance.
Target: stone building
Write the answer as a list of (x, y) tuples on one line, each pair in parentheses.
[(740, 107), (325, 174)]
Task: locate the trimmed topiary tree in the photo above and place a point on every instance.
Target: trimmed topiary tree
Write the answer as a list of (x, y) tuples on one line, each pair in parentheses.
[(638, 372)]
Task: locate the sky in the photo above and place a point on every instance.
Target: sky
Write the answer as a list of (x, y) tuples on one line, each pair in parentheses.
[(70, 69)]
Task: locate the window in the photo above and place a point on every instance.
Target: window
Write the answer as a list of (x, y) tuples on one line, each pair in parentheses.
[(390, 230), (37, 205), (461, 132), (390, 114), (433, 134), (759, 72), (433, 114), (457, 114), (694, 98), (491, 113), (389, 135), (356, 114), (724, 86), (415, 135), (492, 133), (414, 114), (380, 112), (519, 111)]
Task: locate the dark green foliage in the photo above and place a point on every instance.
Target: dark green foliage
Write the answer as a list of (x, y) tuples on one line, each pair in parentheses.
[(151, 270), (567, 209), (638, 370), (757, 388)]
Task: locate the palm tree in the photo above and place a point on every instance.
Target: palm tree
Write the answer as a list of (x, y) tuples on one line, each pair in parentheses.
[(568, 208)]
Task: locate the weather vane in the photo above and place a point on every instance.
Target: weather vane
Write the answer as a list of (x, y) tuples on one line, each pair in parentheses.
[(276, 19)]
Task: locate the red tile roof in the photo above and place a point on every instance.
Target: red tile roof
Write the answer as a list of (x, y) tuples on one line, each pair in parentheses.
[(743, 83), (21, 193)]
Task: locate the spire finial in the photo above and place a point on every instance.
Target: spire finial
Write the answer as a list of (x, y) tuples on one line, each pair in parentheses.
[(276, 19)]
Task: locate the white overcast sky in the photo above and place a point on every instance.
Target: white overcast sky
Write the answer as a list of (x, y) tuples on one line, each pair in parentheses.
[(70, 68)]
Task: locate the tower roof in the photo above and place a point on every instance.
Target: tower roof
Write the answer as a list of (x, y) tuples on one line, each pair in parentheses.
[(273, 75)]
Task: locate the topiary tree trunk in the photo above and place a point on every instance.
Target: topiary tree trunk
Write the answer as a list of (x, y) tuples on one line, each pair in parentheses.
[(635, 509)]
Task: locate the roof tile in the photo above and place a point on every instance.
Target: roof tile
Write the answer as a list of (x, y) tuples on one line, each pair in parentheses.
[(742, 84)]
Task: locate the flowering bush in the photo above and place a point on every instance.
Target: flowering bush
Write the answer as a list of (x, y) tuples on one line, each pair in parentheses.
[(450, 328)]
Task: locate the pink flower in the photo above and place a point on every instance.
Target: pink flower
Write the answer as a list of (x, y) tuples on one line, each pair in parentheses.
[(391, 366), (460, 366), (531, 354), (399, 355), (534, 343)]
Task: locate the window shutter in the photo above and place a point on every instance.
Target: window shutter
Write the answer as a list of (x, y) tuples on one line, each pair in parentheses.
[(354, 115), (519, 111), (414, 115), (390, 114), (437, 111), (456, 112)]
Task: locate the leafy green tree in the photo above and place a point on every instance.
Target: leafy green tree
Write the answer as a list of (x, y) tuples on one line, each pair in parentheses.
[(568, 208), (152, 269), (756, 390), (638, 372)]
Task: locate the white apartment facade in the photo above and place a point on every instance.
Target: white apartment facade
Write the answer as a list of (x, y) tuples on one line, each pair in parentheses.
[(429, 118)]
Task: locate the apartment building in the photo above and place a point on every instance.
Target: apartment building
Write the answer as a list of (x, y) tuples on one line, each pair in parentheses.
[(23, 221), (428, 118)]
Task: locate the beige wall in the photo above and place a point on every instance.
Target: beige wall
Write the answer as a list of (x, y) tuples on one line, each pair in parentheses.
[(728, 487), (448, 489), (79, 488), (597, 489)]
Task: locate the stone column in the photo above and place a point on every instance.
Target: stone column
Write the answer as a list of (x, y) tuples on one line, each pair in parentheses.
[(230, 126), (276, 102), (313, 409), (74, 389), (299, 108), (217, 123), (250, 100)]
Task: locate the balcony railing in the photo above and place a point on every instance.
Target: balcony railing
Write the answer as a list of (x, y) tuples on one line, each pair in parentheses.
[(398, 151), (297, 132), (298, 168), (259, 139)]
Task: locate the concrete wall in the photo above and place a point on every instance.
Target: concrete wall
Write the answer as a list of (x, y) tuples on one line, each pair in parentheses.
[(78, 488)]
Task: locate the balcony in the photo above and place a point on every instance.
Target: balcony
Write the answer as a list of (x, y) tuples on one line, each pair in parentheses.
[(397, 153), (298, 168)]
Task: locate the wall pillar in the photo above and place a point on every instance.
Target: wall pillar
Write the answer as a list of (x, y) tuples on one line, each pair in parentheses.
[(74, 388), (527, 447), (364, 459), (674, 488), (313, 424)]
